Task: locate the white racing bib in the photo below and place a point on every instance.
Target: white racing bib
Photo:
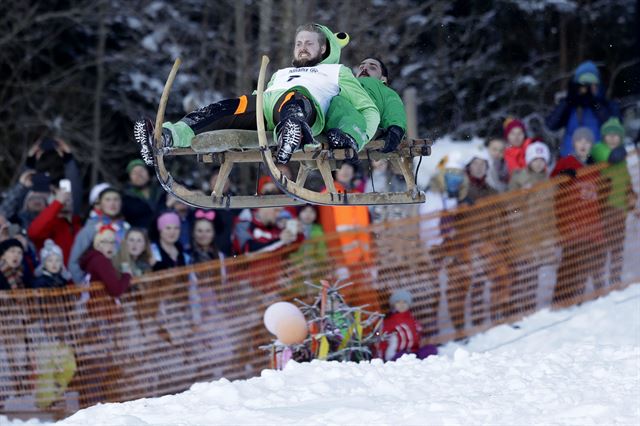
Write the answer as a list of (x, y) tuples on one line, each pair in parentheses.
[(321, 81)]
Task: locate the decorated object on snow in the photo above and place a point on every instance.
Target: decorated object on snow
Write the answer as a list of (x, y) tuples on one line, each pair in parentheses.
[(337, 331), (286, 322)]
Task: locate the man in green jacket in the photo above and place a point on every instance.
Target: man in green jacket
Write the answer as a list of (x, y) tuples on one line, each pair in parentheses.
[(342, 116), (295, 102)]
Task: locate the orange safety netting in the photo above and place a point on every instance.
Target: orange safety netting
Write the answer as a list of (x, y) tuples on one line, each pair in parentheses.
[(557, 244)]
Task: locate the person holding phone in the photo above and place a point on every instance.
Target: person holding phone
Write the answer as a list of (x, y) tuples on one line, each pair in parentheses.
[(57, 221), (584, 106)]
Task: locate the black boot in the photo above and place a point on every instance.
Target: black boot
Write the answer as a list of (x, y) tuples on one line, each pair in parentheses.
[(341, 140), (292, 130), (143, 134)]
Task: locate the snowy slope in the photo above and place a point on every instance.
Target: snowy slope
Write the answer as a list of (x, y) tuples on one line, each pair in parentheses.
[(580, 366)]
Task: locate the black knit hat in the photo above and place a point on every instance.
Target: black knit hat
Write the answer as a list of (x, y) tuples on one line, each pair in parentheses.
[(7, 244)]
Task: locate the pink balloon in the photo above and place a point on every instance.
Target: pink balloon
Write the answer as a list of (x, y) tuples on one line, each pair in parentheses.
[(291, 331), (278, 311)]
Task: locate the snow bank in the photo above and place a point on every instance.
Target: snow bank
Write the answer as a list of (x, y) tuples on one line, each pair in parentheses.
[(577, 366)]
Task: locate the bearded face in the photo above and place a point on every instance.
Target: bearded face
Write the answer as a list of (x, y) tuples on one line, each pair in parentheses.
[(307, 51)]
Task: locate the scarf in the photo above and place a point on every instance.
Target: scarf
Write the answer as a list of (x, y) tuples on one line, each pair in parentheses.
[(12, 275)]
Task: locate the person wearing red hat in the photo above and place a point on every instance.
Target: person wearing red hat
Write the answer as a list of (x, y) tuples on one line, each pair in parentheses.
[(515, 133)]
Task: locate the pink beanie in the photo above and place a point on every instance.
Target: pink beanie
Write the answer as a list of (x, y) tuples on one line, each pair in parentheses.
[(168, 218)]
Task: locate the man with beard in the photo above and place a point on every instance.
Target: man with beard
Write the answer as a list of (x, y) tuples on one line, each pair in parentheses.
[(373, 76), (295, 102)]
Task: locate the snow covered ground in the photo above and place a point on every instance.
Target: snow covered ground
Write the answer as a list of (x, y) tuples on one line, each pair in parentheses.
[(579, 366)]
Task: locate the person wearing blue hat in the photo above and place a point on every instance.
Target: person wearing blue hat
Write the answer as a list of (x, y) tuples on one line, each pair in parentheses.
[(584, 106)]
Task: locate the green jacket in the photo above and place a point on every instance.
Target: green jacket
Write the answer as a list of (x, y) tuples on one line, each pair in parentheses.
[(348, 87), (388, 101), (616, 174)]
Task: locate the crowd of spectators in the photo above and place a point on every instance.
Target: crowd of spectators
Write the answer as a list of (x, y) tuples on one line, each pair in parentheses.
[(48, 240)]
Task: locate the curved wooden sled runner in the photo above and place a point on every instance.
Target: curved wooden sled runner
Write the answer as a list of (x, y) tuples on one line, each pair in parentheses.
[(229, 147)]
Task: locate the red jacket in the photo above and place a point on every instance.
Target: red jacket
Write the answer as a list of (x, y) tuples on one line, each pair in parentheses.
[(49, 225), (404, 333), (577, 203), (101, 269), (514, 156)]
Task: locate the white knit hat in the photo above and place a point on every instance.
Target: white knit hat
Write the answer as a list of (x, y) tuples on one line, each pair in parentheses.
[(48, 249), (481, 154), (96, 190), (537, 150)]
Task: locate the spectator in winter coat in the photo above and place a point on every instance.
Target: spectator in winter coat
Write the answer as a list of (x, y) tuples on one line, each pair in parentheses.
[(167, 250), (257, 231), (618, 190), (185, 213), (579, 224), (516, 136), (476, 169), (584, 106), (447, 190), (55, 158), (11, 268), (97, 262), (203, 246), (537, 158), (532, 236), (402, 330), (498, 174), (25, 200), (140, 197), (51, 272), (56, 222), (583, 139), (107, 212), (134, 255)]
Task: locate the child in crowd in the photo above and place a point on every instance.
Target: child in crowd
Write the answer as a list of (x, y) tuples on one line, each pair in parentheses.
[(477, 168), (51, 272), (134, 255), (402, 330), (619, 194), (578, 217), (11, 269), (583, 140), (97, 262), (515, 134), (532, 220), (308, 216), (107, 210), (203, 246), (498, 174), (537, 158)]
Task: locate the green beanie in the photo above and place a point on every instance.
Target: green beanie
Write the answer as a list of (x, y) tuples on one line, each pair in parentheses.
[(612, 126), (600, 152), (134, 163)]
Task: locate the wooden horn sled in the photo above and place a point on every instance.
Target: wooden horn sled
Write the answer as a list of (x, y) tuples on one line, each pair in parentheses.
[(230, 147)]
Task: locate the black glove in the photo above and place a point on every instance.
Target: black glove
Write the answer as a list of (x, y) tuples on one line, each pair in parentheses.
[(573, 94), (392, 139)]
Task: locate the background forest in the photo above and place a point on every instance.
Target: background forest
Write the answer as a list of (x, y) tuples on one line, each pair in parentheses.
[(85, 70)]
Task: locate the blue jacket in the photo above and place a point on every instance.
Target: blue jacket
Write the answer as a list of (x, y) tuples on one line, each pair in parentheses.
[(581, 110)]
